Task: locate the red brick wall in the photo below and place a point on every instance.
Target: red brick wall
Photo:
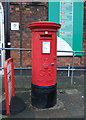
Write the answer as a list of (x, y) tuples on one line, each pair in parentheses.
[(15, 35), (25, 14)]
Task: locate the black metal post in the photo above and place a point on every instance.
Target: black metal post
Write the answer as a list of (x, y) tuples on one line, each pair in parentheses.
[(21, 34), (7, 28)]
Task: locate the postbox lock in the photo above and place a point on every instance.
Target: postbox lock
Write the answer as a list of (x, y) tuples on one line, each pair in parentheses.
[(52, 63)]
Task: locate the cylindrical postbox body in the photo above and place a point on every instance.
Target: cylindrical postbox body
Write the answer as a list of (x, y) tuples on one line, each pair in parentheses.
[(44, 46)]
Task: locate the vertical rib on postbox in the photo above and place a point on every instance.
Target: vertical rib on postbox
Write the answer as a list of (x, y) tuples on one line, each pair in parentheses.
[(44, 46)]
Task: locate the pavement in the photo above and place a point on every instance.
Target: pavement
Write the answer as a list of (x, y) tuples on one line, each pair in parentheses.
[(70, 98)]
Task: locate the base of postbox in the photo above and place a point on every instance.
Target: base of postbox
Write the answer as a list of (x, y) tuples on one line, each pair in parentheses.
[(44, 96), (17, 105)]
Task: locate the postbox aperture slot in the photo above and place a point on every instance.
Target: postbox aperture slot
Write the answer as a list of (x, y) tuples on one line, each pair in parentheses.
[(46, 47), (45, 35)]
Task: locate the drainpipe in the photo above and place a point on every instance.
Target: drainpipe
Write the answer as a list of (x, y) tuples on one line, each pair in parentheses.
[(7, 28)]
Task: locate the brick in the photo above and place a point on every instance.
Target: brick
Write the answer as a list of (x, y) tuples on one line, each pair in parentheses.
[(17, 9)]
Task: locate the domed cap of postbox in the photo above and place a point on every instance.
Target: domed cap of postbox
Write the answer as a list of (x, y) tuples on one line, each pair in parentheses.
[(44, 25)]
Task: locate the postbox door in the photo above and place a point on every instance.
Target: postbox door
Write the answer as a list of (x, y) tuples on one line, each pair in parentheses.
[(44, 66), (47, 71)]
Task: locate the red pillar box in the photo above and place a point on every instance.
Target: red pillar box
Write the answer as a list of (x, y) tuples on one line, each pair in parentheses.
[(44, 41)]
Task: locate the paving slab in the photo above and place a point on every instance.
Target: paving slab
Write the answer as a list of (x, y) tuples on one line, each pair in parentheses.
[(72, 91), (74, 103), (68, 106), (70, 99)]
